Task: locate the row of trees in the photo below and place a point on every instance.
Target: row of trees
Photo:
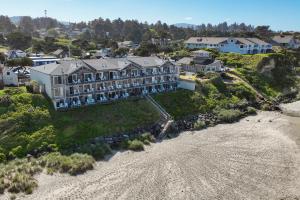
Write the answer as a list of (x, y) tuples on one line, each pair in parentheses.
[(99, 29), (27, 24)]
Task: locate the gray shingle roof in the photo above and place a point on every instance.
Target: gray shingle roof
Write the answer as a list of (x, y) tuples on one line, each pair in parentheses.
[(59, 68), (257, 41), (69, 66), (206, 40), (108, 63), (218, 40), (283, 39), (147, 61), (184, 61)]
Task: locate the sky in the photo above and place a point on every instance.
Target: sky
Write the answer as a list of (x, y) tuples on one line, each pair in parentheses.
[(279, 14)]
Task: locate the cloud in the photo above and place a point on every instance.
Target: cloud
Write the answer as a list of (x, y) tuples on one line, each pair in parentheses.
[(188, 18)]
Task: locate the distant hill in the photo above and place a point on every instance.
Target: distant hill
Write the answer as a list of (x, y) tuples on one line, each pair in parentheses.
[(185, 25)]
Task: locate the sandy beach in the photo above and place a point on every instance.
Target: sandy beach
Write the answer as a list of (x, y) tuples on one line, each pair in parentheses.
[(256, 158)]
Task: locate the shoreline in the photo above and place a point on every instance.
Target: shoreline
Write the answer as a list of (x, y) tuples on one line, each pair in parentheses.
[(247, 159)]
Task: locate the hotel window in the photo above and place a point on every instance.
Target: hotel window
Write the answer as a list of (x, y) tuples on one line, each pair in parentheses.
[(57, 92), (74, 77), (241, 46), (87, 77), (57, 80)]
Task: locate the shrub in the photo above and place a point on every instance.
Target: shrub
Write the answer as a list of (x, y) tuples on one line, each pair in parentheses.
[(17, 152), (146, 142), (73, 164), (135, 145), (22, 182), (2, 186), (251, 110), (5, 101), (147, 136), (199, 124), (228, 115), (2, 158), (32, 87)]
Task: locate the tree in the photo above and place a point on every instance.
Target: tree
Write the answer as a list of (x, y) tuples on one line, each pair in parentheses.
[(19, 62), (6, 26), (26, 25), (121, 52), (146, 49), (52, 33), (18, 40), (263, 32)]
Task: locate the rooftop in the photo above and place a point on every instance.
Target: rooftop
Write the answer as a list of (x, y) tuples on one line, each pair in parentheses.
[(69, 66)]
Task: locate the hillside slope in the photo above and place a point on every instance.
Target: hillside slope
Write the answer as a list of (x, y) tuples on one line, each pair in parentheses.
[(28, 123)]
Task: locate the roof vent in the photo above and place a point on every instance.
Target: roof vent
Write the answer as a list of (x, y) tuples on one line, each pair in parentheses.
[(199, 40)]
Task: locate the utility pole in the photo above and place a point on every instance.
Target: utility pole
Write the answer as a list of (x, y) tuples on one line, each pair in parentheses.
[(45, 11)]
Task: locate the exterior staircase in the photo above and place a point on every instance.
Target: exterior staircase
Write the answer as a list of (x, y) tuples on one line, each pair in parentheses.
[(166, 119)]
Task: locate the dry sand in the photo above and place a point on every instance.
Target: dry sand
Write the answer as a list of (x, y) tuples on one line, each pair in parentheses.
[(245, 160)]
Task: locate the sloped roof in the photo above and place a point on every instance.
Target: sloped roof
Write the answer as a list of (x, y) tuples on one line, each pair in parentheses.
[(69, 66), (244, 41), (147, 61), (206, 40), (108, 63), (257, 41), (61, 67), (184, 61), (218, 40), (57, 52), (283, 39)]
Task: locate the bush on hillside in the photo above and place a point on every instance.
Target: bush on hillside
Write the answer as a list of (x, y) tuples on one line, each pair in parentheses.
[(228, 116), (199, 124), (2, 157), (17, 176), (251, 110), (98, 151), (73, 164), (5, 101), (134, 145), (147, 137)]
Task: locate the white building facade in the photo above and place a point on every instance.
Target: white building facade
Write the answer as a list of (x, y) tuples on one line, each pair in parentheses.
[(230, 44)]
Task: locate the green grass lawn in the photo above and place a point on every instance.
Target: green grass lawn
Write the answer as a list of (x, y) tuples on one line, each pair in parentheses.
[(207, 97), (28, 121), (272, 83)]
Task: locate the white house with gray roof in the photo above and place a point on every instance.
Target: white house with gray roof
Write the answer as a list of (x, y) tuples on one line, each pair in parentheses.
[(230, 44), (75, 83), (287, 41)]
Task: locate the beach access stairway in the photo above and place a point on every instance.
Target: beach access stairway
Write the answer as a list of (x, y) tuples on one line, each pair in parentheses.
[(166, 119)]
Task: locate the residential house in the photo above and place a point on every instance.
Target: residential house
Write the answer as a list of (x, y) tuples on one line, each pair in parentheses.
[(12, 54), (201, 61), (15, 76), (230, 44), (160, 41), (83, 82), (37, 61), (60, 53), (286, 41), (105, 52), (126, 44)]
